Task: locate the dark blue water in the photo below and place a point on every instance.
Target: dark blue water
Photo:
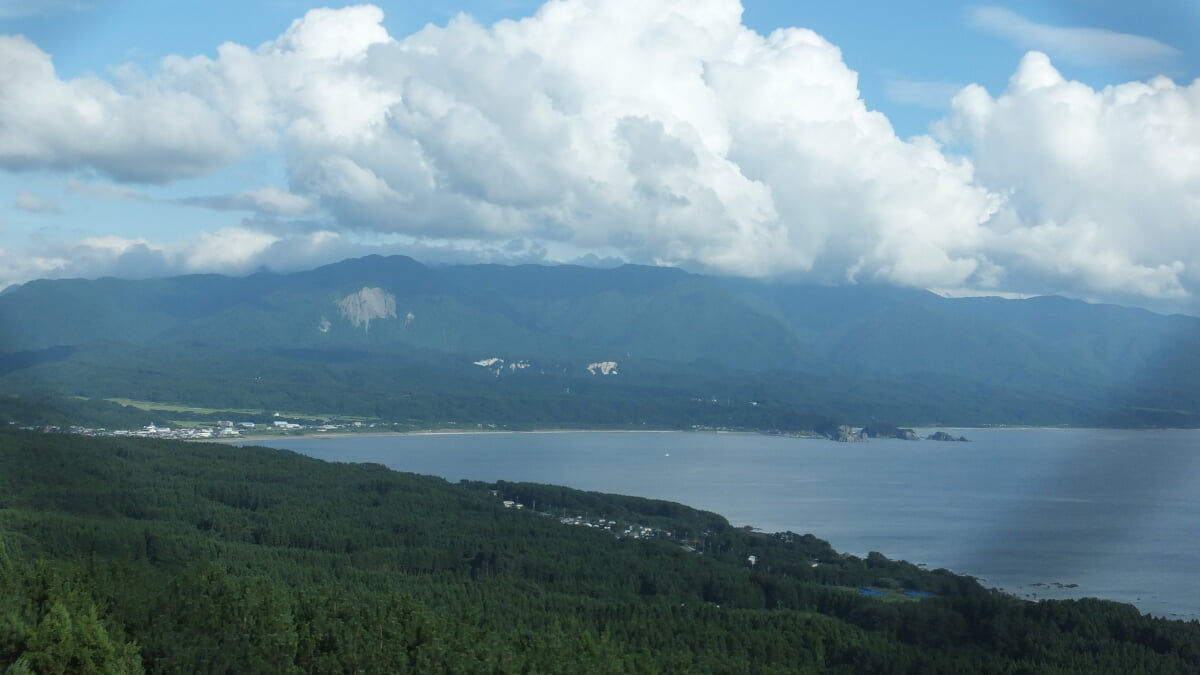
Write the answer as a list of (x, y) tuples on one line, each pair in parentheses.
[(1115, 512)]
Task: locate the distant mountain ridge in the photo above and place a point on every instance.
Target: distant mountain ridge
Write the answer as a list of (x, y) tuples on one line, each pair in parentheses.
[(661, 327)]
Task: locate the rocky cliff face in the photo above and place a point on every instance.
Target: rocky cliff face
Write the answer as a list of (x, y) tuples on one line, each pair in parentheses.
[(888, 431), (846, 434), (366, 305)]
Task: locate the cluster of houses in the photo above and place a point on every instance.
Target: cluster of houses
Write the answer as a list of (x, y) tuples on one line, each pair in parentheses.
[(220, 430), (633, 531), (638, 531)]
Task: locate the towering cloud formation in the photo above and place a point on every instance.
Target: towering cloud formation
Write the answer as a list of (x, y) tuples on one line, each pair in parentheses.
[(665, 130), (1102, 187)]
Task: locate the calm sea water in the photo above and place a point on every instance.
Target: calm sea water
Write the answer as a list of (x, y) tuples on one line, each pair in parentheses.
[(1115, 512)]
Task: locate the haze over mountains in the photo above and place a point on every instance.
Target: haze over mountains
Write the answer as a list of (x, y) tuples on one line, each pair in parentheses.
[(388, 335)]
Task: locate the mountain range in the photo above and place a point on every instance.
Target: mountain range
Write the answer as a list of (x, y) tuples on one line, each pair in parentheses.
[(538, 345)]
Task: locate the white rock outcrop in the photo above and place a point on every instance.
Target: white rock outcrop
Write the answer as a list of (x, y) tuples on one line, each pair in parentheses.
[(367, 305), (497, 365)]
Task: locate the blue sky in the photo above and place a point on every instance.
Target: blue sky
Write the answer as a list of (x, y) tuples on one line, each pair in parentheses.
[(1012, 212)]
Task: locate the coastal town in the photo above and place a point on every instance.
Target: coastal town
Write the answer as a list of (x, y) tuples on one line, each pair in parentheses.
[(221, 430)]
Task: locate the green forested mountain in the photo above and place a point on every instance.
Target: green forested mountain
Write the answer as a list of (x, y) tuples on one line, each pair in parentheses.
[(391, 337), (125, 555)]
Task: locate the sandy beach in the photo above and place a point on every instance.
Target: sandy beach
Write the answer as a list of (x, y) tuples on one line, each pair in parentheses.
[(430, 432)]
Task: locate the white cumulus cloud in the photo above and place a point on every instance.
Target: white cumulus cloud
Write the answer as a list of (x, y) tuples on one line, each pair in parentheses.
[(1102, 186), (146, 132), (667, 130)]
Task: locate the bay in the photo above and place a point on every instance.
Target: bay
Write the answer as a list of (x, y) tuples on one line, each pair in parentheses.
[(1040, 513)]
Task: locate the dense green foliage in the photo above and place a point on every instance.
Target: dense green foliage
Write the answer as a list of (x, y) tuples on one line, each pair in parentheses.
[(50, 410), (692, 350), (123, 554)]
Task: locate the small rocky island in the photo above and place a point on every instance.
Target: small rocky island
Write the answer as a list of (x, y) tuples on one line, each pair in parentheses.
[(943, 436)]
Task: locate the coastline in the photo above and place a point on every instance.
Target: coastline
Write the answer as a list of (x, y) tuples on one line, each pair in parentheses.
[(924, 430), (436, 432)]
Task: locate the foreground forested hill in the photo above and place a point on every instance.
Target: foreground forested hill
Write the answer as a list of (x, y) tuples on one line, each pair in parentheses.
[(122, 555)]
